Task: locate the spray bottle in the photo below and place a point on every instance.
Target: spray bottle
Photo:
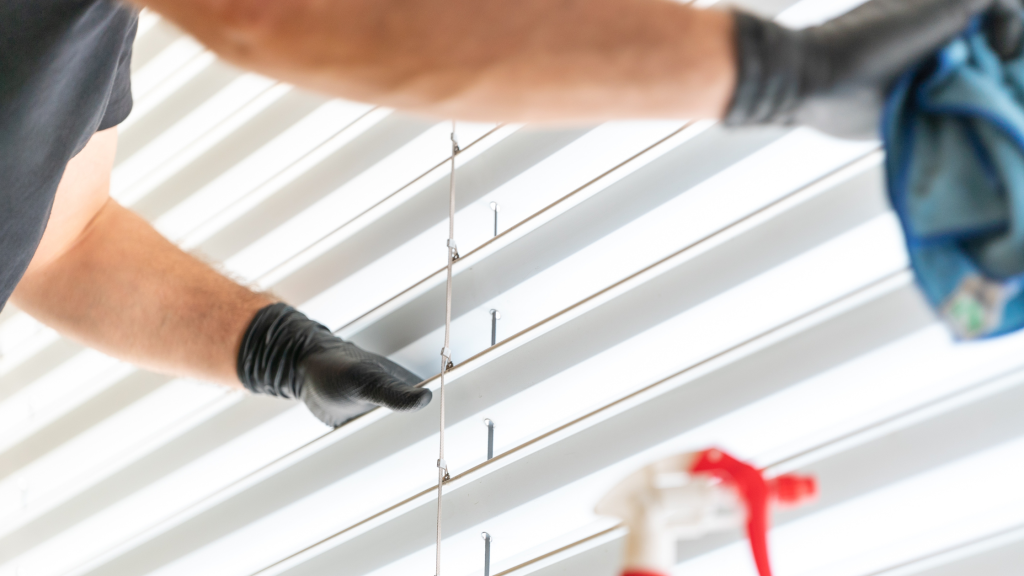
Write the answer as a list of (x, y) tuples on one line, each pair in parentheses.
[(690, 495)]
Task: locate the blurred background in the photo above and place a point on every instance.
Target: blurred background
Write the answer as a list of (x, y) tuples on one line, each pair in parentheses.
[(626, 291)]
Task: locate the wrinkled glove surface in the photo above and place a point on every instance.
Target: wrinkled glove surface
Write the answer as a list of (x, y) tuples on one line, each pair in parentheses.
[(835, 77), (286, 354)]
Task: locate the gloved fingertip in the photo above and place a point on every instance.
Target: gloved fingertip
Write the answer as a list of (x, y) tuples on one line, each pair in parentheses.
[(418, 399)]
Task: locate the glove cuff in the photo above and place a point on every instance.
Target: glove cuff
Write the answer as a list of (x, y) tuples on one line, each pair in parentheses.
[(277, 340), (769, 61)]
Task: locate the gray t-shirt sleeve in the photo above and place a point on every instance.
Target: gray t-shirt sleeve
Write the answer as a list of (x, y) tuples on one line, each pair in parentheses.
[(65, 70), (120, 103)]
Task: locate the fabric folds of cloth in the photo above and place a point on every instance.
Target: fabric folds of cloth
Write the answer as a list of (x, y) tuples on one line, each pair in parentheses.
[(954, 137)]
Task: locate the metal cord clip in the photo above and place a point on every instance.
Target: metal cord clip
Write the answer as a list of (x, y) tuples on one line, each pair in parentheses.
[(444, 466), (454, 248), (446, 355)]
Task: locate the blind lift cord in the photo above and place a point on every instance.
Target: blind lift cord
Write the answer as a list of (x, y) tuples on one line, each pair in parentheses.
[(446, 353)]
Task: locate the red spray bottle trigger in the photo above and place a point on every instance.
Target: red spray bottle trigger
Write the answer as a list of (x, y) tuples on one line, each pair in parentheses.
[(756, 493)]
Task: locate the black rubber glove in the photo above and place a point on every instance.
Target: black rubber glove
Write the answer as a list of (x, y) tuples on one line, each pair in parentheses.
[(835, 76), (286, 354)]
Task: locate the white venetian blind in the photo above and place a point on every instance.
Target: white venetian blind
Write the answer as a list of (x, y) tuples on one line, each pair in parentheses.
[(662, 286)]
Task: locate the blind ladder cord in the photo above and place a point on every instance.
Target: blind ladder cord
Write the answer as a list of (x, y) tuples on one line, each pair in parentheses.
[(446, 353)]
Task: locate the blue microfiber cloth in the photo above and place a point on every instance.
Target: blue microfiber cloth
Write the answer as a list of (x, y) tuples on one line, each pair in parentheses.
[(954, 137)]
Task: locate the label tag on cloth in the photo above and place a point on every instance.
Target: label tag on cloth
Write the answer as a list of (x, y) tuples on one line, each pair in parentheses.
[(975, 309)]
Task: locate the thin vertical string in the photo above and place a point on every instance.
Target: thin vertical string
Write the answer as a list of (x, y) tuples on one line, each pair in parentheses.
[(446, 353)]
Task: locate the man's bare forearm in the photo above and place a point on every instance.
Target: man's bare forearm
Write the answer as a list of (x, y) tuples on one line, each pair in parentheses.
[(125, 290), (493, 60)]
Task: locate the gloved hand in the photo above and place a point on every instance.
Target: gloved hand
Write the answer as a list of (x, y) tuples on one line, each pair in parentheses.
[(835, 76), (286, 354)]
